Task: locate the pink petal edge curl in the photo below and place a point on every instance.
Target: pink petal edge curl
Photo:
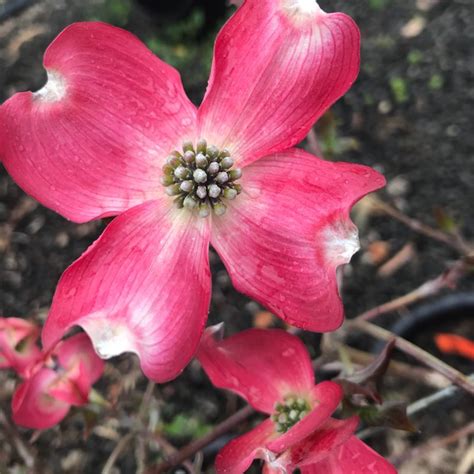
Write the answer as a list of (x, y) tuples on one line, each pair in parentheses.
[(320, 445), (289, 230), (275, 72), (92, 141), (142, 287), (352, 457), (237, 455)]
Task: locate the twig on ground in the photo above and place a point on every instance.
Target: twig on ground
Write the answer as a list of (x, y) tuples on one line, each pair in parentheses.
[(437, 443), (401, 258), (15, 440), (466, 463), (121, 446), (140, 454), (124, 442), (447, 279), (146, 400), (416, 352), (170, 450), (453, 240), (192, 448), (418, 406), (436, 397), (401, 369)]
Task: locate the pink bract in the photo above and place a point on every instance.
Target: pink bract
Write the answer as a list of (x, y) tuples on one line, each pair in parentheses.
[(18, 349), (63, 377), (272, 370), (352, 457), (93, 141)]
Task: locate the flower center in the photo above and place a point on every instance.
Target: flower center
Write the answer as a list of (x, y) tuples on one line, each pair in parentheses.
[(288, 413), (201, 178)]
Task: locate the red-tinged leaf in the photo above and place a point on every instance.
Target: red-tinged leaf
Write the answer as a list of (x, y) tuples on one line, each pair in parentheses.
[(352, 390), (367, 381), (391, 415)]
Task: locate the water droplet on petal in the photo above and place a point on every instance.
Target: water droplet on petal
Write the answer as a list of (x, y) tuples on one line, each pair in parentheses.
[(288, 352)]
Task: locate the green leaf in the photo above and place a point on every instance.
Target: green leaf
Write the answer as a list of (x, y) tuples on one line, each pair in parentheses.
[(182, 426), (391, 415)]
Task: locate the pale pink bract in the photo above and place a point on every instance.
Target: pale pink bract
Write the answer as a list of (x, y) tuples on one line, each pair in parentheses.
[(93, 142), (271, 369), (59, 379)]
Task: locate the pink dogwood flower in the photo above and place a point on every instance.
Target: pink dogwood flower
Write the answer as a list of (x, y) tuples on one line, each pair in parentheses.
[(61, 378), (18, 349), (112, 133), (272, 371), (347, 455)]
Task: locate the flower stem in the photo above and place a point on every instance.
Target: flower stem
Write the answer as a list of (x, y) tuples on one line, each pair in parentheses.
[(417, 353), (447, 279), (195, 446), (16, 441), (453, 240)]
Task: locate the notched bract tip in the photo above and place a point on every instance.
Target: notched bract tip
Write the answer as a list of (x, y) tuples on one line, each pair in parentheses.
[(301, 7), (341, 241), (109, 338), (54, 89)]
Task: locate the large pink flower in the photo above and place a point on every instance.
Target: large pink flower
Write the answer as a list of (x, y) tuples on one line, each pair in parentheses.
[(272, 370), (60, 379), (18, 349), (113, 133)]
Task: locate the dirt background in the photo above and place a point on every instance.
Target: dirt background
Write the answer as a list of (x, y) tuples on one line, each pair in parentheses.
[(410, 115)]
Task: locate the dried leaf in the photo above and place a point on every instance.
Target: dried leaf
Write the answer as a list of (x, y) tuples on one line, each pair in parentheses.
[(367, 381), (263, 319), (352, 390), (414, 27), (405, 255), (378, 251), (374, 372)]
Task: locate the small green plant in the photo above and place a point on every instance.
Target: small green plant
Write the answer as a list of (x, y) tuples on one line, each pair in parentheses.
[(436, 82), (182, 426), (399, 89), (378, 4), (415, 56)]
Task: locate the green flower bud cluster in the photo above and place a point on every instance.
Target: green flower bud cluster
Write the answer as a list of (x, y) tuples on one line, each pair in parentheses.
[(201, 178), (288, 413)]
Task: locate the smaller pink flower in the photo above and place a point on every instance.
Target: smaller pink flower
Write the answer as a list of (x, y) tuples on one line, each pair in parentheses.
[(272, 370), (18, 349), (332, 449), (63, 377)]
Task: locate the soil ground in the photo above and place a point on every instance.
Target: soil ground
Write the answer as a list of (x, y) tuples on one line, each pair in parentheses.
[(410, 115)]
